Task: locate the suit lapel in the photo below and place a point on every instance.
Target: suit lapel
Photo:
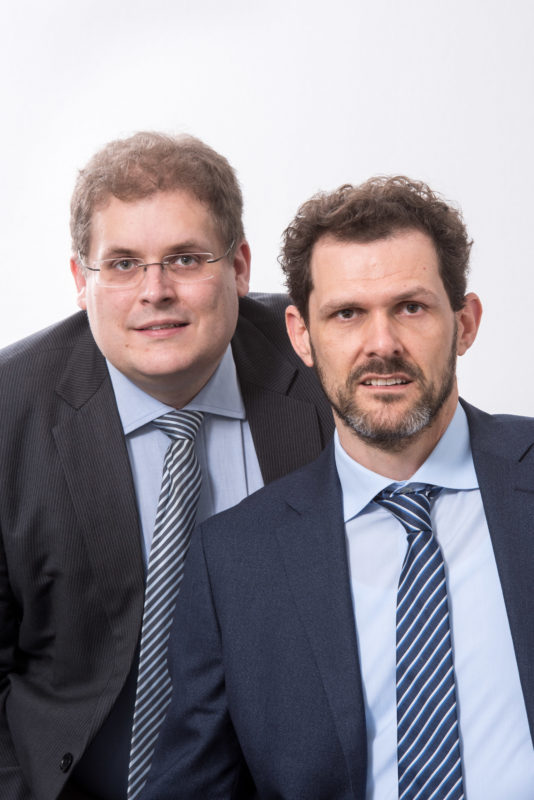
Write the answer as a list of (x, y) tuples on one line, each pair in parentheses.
[(93, 453), (265, 378), (315, 560), (504, 462)]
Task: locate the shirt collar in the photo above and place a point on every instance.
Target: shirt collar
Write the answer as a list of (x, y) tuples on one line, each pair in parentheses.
[(450, 464), (221, 395)]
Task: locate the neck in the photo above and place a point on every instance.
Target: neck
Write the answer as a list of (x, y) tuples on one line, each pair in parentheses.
[(177, 392), (400, 463)]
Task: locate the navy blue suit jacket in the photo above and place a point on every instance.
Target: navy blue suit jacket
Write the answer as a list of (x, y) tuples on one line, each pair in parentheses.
[(264, 636)]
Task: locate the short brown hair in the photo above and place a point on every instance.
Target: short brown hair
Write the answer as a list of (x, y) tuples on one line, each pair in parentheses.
[(146, 163), (375, 210)]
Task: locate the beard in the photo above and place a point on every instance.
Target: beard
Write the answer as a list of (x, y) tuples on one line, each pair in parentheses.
[(392, 435)]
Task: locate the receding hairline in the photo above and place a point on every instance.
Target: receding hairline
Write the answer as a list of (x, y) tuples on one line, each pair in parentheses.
[(107, 198), (390, 232)]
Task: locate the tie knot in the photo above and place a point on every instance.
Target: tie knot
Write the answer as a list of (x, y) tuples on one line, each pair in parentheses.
[(410, 505), (180, 424)]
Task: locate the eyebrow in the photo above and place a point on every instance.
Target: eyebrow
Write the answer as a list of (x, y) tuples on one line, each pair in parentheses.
[(189, 246), (112, 252), (416, 291)]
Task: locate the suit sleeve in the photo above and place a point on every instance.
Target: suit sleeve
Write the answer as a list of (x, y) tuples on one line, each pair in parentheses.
[(197, 752), (11, 780)]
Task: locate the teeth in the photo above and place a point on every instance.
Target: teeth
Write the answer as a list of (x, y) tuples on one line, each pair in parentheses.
[(385, 382), (162, 327)]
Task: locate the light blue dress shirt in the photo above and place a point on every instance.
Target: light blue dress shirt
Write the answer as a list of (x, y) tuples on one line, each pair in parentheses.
[(498, 757), (230, 472), (224, 446)]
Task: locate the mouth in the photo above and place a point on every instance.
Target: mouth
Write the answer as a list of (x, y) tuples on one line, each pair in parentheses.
[(162, 326), (386, 382)]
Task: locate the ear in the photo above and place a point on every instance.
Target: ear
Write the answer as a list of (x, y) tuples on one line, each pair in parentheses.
[(298, 335), (80, 281), (241, 266), (468, 319)]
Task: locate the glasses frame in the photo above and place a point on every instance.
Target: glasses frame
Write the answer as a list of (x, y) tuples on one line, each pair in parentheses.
[(161, 264)]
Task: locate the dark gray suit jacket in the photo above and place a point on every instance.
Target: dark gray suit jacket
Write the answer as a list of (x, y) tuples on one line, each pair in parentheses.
[(71, 568), (264, 634)]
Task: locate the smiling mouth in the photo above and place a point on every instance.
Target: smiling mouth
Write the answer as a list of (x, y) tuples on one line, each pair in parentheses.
[(386, 382), (164, 327)]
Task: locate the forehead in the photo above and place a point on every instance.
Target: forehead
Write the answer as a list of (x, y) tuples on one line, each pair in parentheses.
[(376, 269), (159, 220)]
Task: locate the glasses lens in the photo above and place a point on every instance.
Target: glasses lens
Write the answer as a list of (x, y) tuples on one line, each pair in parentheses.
[(188, 267), (180, 268), (119, 271)]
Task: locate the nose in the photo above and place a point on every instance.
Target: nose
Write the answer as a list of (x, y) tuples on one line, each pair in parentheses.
[(156, 286), (381, 336)]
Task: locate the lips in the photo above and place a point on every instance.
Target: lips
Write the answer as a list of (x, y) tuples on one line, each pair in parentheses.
[(385, 372), (385, 382), (161, 326)]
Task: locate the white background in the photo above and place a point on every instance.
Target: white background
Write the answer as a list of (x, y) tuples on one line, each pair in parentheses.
[(300, 95)]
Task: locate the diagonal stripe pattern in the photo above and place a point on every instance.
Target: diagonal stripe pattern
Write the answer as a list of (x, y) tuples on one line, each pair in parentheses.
[(175, 518), (428, 742)]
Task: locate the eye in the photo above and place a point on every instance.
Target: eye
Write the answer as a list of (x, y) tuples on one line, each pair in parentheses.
[(346, 313), (121, 264), (412, 308), (185, 260)]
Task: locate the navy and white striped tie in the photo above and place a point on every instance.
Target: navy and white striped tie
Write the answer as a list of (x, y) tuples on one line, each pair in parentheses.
[(428, 745), (175, 518)]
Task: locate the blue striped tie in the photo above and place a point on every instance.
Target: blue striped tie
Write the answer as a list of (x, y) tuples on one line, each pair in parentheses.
[(175, 518), (428, 746)]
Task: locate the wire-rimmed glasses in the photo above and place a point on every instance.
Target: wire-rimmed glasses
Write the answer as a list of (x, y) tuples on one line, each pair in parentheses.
[(125, 272)]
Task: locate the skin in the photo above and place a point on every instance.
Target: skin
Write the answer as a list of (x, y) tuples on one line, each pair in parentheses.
[(379, 311), (174, 363)]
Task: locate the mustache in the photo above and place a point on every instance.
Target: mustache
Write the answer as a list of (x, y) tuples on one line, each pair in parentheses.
[(385, 366)]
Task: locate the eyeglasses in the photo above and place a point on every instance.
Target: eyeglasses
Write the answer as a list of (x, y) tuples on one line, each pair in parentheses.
[(124, 272)]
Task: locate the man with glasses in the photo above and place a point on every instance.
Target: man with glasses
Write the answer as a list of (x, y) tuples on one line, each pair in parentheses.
[(90, 423)]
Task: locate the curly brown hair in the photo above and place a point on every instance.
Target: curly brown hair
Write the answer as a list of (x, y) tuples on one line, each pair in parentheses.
[(148, 162), (376, 209)]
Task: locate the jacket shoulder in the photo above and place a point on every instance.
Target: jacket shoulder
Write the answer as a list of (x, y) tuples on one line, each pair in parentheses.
[(506, 434), (261, 329), (267, 313), (60, 336), (60, 359), (268, 368), (263, 510)]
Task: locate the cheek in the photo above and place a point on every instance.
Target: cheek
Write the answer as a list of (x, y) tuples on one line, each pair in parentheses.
[(433, 354), (343, 349), (219, 305), (105, 313), (199, 296), (227, 290)]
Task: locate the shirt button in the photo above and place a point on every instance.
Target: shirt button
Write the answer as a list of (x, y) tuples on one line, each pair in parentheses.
[(66, 762)]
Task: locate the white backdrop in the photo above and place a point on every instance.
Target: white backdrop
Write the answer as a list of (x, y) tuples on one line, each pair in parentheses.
[(300, 95)]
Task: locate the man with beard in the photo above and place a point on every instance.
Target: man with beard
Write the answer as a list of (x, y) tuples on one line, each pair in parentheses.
[(373, 639)]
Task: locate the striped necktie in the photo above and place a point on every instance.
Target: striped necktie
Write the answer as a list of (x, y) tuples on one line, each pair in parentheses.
[(175, 518), (428, 746)]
